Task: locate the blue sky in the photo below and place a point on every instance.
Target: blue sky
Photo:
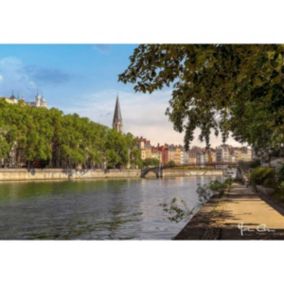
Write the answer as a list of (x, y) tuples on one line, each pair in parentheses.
[(84, 79)]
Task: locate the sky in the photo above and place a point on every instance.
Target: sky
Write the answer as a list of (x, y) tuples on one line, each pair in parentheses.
[(83, 79)]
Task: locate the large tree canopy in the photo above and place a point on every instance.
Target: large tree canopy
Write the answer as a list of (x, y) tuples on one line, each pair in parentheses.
[(41, 137), (219, 88)]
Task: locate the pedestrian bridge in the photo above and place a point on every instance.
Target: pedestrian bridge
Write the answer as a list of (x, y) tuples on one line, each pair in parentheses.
[(158, 171), (228, 168)]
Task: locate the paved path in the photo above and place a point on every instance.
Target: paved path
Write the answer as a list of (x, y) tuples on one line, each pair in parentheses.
[(240, 214)]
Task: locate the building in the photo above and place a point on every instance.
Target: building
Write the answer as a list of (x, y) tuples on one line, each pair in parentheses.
[(191, 157), (156, 154), (224, 154), (11, 100), (117, 118), (179, 155), (211, 156), (164, 150), (171, 153), (195, 156), (200, 158), (243, 154), (185, 160), (38, 102)]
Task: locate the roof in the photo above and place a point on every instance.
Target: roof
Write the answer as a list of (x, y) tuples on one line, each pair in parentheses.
[(117, 113)]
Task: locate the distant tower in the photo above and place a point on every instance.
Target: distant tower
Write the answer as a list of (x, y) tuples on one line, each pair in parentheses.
[(117, 118)]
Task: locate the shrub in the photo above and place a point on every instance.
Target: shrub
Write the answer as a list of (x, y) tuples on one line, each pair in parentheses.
[(151, 162), (171, 164), (281, 186), (279, 193), (249, 164), (217, 185), (280, 174), (263, 176), (228, 182)]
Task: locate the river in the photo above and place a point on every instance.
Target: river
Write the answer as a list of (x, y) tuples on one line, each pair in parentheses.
[(101, 209)]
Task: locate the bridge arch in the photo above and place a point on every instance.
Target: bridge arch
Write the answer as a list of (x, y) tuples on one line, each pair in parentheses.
[(158, 171)]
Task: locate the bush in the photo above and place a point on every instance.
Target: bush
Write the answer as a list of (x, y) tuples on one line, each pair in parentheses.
[(171, 164), (151, 162), (263, 176), (281, 186), (255, 164), (280, 174), (249, 165), (217, 185)]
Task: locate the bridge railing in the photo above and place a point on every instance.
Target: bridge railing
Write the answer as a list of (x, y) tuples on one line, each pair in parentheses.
[(203, 165)]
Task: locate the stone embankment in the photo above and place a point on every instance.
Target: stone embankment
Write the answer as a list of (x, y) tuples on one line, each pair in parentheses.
[(186, 172), (61, 174), (240, 214)]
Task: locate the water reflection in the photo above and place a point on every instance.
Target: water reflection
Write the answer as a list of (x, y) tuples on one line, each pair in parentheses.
[(106, 209)]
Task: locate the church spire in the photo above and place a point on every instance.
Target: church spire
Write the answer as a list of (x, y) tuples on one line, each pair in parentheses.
[(117, 118)]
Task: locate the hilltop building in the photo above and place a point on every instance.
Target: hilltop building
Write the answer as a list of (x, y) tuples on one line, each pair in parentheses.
[(11, 100), (117, 118), (38, 102)]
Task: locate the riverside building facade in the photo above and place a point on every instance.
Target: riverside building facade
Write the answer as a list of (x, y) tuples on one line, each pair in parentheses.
[(195, 156)]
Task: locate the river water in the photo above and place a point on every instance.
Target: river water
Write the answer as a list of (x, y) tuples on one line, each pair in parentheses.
[(105, 209)]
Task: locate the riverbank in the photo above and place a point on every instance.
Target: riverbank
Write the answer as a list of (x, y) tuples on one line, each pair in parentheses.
[(62, 174), (191, 172), (241, 214)]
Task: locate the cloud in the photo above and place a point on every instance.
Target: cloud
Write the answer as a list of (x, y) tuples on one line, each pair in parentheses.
[(143, 115), (15, 78), (48, 75)]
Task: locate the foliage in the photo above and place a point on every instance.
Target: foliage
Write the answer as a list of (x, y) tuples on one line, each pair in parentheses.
[(249, 165), (219, 88), (171, 164), (214, 187), (204, 193), (280, 175), (177, 210), (37, 137), (151, 162), (263, 176), (281, 186), (217, 185), (220, 187)]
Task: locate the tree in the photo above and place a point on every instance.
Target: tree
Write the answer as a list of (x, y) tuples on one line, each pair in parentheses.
[(171, 163), (219, 88), (37, 137), (151, 162)]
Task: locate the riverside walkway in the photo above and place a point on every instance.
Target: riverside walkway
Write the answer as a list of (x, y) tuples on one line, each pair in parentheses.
[(240, 214)]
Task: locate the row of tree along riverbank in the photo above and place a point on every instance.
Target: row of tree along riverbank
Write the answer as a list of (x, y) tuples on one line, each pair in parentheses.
[(62, 174), (39, 138)]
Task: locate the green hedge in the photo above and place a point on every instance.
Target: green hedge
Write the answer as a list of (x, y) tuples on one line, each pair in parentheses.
[(263, 176), (280, 174)]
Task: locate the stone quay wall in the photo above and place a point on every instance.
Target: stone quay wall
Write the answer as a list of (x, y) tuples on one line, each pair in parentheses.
[(61, 174), (186, 172)]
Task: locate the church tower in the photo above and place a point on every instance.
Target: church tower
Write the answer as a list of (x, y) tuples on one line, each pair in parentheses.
[(117, 118)]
